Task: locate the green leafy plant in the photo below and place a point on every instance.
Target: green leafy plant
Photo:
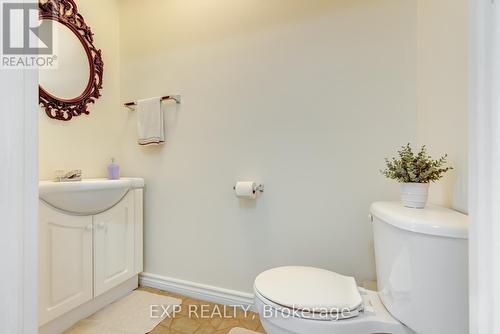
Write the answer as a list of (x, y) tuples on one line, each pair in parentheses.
[(415, 168)]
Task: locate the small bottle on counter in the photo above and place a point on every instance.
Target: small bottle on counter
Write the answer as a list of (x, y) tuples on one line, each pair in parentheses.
[(113, 170)]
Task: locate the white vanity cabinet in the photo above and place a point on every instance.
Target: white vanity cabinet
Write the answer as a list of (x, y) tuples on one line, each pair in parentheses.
[(83, 256), (114, 245), (65, 262)]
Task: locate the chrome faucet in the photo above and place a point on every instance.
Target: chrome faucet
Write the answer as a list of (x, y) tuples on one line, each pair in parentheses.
[(73, 175)]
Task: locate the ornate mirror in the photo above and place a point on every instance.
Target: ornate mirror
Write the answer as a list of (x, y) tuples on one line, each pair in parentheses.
[(76, 81)]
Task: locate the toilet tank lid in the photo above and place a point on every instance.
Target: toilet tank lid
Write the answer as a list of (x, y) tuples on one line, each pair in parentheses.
[(432, 220)]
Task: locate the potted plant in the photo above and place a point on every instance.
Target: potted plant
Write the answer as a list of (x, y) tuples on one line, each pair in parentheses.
[(415, 172)]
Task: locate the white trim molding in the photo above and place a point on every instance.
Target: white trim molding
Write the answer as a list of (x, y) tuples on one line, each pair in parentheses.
[(18, 198), (197, 290), (484, 243)]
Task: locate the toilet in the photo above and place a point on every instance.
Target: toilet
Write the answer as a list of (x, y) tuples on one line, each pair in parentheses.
[(422, 275)]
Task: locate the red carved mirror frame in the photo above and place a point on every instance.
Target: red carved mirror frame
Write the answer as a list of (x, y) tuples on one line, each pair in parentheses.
[(66, 13)]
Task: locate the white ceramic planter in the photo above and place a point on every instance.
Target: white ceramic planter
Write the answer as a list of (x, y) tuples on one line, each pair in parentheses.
[(414, 195)]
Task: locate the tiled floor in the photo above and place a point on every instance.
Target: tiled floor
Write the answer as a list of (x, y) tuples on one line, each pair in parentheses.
[(205, 318)]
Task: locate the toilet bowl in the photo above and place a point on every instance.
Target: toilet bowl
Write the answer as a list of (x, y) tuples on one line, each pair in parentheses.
[(421, 258), (317, 312)]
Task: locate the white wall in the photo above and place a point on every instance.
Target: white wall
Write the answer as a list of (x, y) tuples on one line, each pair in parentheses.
[(89, 142), (443, 93), (308, 97)]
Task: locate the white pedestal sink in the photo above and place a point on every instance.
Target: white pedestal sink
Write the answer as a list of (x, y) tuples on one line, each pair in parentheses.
[(87, 197)]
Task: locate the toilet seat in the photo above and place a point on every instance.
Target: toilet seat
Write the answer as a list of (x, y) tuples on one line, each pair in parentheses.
[(311, 293), (276, 309), (281, 292), (374, 319)]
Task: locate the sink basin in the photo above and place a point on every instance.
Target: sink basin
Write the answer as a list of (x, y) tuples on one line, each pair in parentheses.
[(86, 197)]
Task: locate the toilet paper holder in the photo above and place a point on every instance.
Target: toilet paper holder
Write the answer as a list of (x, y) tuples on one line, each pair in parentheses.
[(258, 188)]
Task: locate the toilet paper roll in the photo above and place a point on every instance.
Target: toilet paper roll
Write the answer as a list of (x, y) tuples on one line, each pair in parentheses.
[(246, 190)]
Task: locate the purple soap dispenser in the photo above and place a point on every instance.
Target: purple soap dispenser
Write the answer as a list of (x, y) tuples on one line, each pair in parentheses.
[(113, 170)]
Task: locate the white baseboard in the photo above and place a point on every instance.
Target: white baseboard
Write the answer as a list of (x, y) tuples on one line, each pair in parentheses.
[(197, 291)]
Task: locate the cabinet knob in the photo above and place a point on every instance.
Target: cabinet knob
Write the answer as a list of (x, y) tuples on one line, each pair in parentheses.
[(100, 225), (89, 227)]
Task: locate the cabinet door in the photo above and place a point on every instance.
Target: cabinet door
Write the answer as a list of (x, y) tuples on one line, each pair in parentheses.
[(114, 245), (65, 262)]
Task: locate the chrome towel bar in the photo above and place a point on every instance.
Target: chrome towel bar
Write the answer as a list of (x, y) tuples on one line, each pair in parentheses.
[(176, 98)]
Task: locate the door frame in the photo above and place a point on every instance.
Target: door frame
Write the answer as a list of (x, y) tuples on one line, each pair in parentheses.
[(484, 161), (18, 199)]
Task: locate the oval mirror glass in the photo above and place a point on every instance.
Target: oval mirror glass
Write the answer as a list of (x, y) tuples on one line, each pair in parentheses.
[(71, 75)]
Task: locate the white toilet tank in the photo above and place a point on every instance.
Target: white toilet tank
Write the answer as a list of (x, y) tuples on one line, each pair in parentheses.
[(422, 266)]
